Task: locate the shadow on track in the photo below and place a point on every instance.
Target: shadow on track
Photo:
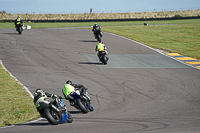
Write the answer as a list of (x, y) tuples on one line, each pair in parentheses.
[(86, 41), (11, 33), (75, 112), (95, 63)]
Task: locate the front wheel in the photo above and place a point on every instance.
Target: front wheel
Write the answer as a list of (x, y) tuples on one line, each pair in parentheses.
[(81, 106), (52, 116)]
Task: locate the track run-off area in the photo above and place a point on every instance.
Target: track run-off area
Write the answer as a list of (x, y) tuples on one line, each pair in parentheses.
[(139, 90)]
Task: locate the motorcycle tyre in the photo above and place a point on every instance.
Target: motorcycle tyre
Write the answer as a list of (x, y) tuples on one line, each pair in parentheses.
[(81, 106), (20, 30), (104, 60), (98, 37), (70, 118), (49, 117)]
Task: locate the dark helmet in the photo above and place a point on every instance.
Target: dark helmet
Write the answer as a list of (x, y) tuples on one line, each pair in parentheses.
[(100, 41), (95, 25), (69, 82)]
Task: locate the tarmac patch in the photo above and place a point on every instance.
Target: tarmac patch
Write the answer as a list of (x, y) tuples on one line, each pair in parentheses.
[(137, 61)]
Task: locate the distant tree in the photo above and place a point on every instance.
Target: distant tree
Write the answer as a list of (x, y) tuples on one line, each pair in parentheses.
[(177, 16), (3, 12)]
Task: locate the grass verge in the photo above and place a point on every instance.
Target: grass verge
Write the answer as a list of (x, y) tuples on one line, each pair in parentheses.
[(16, 105), (183, 38)]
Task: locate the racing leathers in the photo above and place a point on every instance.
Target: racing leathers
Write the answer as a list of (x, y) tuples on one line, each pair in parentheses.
[(99, 47), (96, 30), (69, 88), (40, 96), (17, 22)]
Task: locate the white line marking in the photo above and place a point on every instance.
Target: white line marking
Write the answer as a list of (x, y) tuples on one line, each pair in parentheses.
[(26, 90), (24, 123)]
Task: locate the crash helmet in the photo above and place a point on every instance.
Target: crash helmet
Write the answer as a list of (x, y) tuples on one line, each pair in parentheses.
[(39, 90), (95, 25), (69, 82), (101, 42), (19, 17)]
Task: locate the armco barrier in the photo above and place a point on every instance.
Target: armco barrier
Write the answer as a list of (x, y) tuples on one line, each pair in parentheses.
[(106, 20)]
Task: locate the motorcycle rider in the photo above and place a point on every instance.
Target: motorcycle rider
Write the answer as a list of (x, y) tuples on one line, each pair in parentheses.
[(40, 95), (18, 21), (69, 87), (96, 30), (99, 47)]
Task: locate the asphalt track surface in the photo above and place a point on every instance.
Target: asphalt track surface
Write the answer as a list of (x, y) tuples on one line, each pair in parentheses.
[(152, 94)]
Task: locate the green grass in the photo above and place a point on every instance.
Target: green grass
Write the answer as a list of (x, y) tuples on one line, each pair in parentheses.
[(16, 105), (183, 38)]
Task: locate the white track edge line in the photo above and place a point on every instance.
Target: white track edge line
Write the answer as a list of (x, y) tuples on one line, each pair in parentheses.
[(26, 90)]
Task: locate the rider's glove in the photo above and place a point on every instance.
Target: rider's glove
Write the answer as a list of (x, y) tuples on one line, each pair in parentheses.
[(60, 97)]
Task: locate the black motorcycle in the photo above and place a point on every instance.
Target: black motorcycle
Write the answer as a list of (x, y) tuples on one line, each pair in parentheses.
[(19, 28), (98, 35), (103, 57), (54, 114)]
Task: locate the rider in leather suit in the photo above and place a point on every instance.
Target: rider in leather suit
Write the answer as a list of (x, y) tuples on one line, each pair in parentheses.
[(96, 30), (40, 95), (69, 87), (17, 21)]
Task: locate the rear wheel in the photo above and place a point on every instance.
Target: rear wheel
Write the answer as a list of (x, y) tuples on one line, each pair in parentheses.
[(81, 106), (20, 30), (104, 60), (70, 118), (98, 37), (52, 116)]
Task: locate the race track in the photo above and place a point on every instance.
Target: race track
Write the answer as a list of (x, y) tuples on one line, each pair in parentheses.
[(140, 90)]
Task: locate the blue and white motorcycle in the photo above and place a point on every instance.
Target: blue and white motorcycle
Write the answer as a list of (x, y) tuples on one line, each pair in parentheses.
[(54, 114), (81, 101)]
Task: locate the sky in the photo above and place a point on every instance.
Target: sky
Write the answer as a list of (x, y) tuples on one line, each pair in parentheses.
[(97, 6)]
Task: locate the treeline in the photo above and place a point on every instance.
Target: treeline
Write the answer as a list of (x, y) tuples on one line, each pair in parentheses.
[(101, 16), (3, 12)]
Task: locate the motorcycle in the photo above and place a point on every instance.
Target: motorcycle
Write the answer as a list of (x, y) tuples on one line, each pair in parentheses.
[(53, 114), (98, 35), (19, 28), (103, 56), (81, 101)]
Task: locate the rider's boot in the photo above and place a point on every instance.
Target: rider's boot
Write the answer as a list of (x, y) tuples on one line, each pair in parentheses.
[(71, 100)]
